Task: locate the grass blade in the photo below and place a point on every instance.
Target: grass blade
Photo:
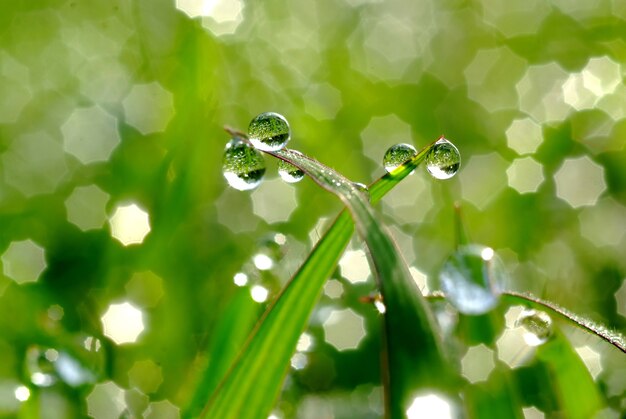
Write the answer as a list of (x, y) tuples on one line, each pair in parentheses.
[(236, 398), (613, 337)]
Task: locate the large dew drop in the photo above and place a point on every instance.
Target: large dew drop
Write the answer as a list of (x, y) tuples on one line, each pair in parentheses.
[(443, 159), (269, 131), (243, 165), (289, 173), (472, 279), (398, 154), (537, 324)]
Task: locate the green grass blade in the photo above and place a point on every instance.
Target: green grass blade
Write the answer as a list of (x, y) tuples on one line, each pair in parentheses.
[(578, 397), (254, 381), (237, 399), (229, 336), (611, 336), (413, 353)]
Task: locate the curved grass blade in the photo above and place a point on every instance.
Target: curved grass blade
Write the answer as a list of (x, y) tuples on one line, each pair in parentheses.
[(611, 336), (401, 296), (254, 381), (414, 357)]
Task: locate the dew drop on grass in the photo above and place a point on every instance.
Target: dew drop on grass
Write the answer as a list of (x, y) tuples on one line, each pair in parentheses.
[(472, 279), (243, 165), (40, 365), (443, 159), (398, 154), (537, 325), (269, 131), (289, 173)]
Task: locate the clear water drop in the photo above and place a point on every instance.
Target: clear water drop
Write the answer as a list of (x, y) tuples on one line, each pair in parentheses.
[(398, 154), (472, 279), (443, 159), (243, 166), (289, 173), (269, 131), (537, 324)]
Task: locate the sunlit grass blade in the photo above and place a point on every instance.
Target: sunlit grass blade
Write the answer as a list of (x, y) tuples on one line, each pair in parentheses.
[(301, 293), (578, 396), (255, 379), (611, 336), (413, 355)]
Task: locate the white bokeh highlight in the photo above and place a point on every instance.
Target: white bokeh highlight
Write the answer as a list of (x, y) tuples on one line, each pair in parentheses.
[(274, 200), (354, 266), (122, 323), (430, 406), (129, 224)]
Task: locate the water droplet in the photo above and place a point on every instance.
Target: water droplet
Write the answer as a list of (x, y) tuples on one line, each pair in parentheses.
[(289, 173), (472, 278), (269, 131), (398, 154), (40, 365), (243, 165), (537, 324), (443, 159)]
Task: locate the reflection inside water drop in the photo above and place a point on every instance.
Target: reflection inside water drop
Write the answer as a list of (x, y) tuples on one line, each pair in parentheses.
[(269, 131), (537, 324), (289, 173), (243, 165), (397, 155), (472, 279), (443, 159)]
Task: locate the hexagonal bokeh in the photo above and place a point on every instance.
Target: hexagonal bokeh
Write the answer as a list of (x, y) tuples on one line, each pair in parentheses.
[(274, 200), (86, 207), (34, 163), (580, 181), (90, 134), (477, 363), (604, 224), (344, 329), (23, 261), (525, 175), (149, 107), (146, 375), (524, 136), (122, 323), (483, 178), (129, 224)]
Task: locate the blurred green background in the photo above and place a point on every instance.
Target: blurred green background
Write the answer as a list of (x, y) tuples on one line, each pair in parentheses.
[(123, 249)]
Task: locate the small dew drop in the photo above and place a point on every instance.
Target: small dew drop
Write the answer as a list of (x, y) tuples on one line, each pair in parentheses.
[(269, 131), (289, 173), (397, 155), (538, 326), (243, 165), (472, 282), (40, 366), (443, 159)]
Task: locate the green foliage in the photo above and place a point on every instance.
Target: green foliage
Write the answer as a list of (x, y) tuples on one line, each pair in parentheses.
[(112, 201)]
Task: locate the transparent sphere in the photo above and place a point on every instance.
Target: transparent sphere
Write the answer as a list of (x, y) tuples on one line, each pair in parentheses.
[(269, 131), (472, 279), (537, 324), (443, 159), (397, 155), (243, 166), (289, 173)]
